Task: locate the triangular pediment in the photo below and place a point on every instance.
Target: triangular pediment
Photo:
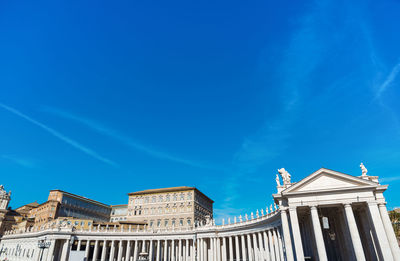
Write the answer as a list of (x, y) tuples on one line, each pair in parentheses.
[(325, 179)]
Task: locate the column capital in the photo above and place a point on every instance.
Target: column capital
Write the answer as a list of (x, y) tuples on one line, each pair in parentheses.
[(313, 207), (382, 204), (346, 205)]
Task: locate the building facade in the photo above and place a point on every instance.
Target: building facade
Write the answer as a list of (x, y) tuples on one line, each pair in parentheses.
[(328, 215), (65, 204), (169, 207), (119, 213)]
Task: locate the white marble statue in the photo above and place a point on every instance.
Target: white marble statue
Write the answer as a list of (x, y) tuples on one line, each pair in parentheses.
[(285, 176), (364, 170)]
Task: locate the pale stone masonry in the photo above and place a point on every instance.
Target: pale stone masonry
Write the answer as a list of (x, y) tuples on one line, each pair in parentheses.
[(328, 215), (169, 207)]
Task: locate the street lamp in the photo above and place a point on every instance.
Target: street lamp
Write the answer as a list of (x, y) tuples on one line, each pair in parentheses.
[(43, 244)]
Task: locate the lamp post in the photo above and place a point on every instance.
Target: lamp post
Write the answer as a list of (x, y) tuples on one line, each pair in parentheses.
[(43, 244)]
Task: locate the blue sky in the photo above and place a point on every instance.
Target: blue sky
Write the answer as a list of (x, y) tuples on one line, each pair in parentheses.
[(104, 98)]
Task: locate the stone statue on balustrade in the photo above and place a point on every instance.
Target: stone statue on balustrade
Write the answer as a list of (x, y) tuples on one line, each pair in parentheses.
[(285, 176)]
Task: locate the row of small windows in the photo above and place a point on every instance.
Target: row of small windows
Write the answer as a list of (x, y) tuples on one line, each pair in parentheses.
[(174, 222), (77, 223), (161, 198), (118, 219), (155, 211)]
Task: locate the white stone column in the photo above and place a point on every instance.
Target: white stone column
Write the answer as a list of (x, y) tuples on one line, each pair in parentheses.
[(120, 249), (380, 231), (237, 249), (135, 251), (187, 250), (87, 249), (173, 250), (165, 250), (218, 243), (249, 248), (389, 231), (78, 248), (296, 233), (158, 250), (96, 250), (223, 250), (319, 239), (112, 250), (180, 250), (354, 235), (204, 254), (212, 255), (266, 242), (278, 232), (286, 235), (243, 248), (104, 251), (276, 246), (230, 248), (271, 246), (261, 247), (151, 257), (51, 250), (128, 250), (255, 247), (65, 249)]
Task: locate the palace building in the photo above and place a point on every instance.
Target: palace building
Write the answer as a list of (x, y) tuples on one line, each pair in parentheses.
[(169, 207), (328, 215)]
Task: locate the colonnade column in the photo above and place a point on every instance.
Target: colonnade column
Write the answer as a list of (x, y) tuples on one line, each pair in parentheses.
[(271, 246), (218, 246), (78, 248), (389, 231), (267, 252), (173, 250), (319, 239), (354, 235), (261, 251), (187, 250), (151, 243), (64, 253), (128, 250), (296, 233), (230, 249), (286, 235), (112, 250), (249, 248), (243, 248), (104, 251), (96, 250), (135, 251), (165, 250), (51, 250), (280, 244), (224, 257), (255, 247), (237, 248), (158, 250), (87, 249), (380, 231), (276, 246), (120, 249)]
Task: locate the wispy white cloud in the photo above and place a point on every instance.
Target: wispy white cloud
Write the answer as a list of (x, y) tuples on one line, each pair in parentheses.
[(24, 162), (388, 81), (58, 135), (304, 53), (126, 140)]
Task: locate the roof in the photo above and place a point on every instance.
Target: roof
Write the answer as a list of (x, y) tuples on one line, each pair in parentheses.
[(33, 204), (82, 198), (119, 206), (170, 189)]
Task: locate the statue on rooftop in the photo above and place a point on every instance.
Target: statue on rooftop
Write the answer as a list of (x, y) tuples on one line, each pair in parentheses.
[(364, 170), (285, 176)]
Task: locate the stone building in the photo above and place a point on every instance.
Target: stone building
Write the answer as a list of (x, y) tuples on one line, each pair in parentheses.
[(5, 198), (169, 207), (64, 204), (328, 215), (119, 213)]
